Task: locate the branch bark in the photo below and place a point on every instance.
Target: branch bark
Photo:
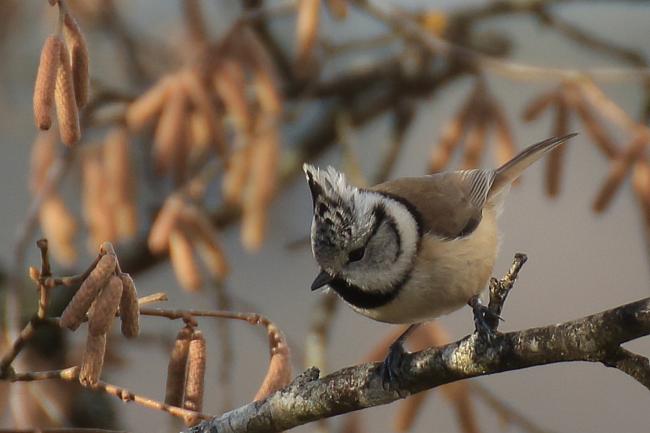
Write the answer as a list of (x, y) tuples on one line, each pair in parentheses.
[(595, 338)]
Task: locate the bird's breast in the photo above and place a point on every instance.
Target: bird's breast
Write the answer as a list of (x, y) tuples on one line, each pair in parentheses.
[(446, 274)]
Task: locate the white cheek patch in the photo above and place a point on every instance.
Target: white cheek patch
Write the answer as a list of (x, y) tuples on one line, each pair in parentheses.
[(386, 277), (407, 228)]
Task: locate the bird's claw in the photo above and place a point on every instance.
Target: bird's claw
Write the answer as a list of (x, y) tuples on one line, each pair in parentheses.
[(390, 368), (484, 318)]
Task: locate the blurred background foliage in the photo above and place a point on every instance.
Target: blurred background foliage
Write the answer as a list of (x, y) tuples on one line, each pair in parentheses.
[(188, 155)]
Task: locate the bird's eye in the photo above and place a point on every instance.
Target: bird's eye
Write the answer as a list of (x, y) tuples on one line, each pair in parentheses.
[(356, 255)]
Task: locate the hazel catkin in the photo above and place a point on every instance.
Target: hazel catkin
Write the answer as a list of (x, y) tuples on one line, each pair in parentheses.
[(158, 240), (186, 268), (129, 308), (46, 78), (66, 104), (195, 377), (93, 360), (279, 372), (76, 310), (80, 63), (306, 32), (105, 307), (176, 368), (149, 105)]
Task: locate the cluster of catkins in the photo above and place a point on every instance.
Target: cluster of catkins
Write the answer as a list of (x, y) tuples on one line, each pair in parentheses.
[(183, 229), (230, 106), (108, 194), (104, 293), (186, 371), (62, 80)]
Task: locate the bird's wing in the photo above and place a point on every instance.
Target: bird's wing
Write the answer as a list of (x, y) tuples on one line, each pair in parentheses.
[(449, 204)]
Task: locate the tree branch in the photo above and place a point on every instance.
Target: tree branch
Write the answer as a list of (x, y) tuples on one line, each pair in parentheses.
[(595, 338)]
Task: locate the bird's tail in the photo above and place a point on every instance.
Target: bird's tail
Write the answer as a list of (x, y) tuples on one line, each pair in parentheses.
[(511, 170)]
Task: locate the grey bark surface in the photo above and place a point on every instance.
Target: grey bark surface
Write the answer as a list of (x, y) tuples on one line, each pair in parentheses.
[(595, 338)]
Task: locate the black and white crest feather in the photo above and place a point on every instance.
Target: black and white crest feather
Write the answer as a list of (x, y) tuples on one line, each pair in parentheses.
[(334, 203)]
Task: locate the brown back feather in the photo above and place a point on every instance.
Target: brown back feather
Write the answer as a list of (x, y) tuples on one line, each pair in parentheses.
[(511, 170), (450, 204)]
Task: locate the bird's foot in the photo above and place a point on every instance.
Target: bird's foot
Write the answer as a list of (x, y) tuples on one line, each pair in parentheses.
[(390, 368), (484, 318)]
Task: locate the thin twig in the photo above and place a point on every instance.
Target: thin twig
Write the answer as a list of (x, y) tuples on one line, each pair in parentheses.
[(499, 289), (589, 39), (252, 318), (45, 283), (309, 398), (127, 396), (406, 25), (19, 342), (154, 297), (71, 374)]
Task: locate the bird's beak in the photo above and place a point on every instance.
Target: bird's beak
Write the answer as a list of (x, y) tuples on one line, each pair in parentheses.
[(321, 279)]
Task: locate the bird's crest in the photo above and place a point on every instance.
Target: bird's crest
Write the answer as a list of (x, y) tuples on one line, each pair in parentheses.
[(334, 203), (328, 185)]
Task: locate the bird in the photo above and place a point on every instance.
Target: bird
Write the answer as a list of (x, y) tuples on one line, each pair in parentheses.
[(411, 249)]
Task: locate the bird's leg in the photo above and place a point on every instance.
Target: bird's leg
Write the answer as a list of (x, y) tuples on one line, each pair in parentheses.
[(483, 316), (391, 366)]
